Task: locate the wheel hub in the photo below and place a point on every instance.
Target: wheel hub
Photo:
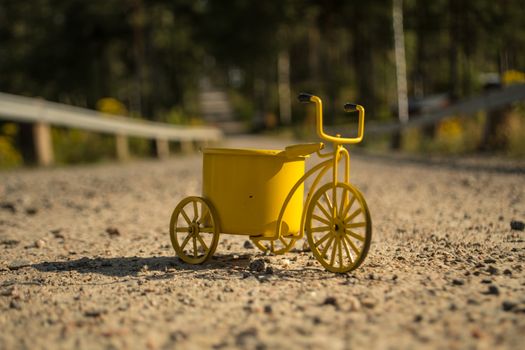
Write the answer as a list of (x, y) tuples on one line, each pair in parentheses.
[(194, 228), (338, 227)]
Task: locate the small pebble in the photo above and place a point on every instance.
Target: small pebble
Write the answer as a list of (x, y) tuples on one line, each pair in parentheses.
[(15, 305), (269, 270), (517, 225), (368, 303), (10, 242), (508, 305), (458, 282), (354, 303), (8, 206), (285, 262), (248, 245), (258, 265), (268, 309), (492, 270), (492, 290), (489, 261), (31, 211), (18, 264), (113, 231), (10, 292), (94, 313), (40, 244), (57, 233), (331, 301), (418, 318)]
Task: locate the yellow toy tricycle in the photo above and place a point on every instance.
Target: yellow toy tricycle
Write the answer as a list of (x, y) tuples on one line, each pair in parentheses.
[(259, 193)]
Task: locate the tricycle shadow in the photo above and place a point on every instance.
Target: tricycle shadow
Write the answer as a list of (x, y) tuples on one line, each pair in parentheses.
[(221, 266), (133, 265)]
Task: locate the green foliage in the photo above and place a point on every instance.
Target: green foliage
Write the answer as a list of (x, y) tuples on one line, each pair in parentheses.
[(9, 156), (516, 130), (242, 106), (150, 56), (77, 146)]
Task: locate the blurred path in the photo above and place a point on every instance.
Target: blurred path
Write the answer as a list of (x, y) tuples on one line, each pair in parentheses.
[(86, 262)]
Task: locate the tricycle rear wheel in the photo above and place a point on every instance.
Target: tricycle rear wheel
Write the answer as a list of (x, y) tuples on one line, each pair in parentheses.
[(194, 230), (275, 246)]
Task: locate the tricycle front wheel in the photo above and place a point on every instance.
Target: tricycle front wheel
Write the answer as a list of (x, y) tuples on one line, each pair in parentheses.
[(338, 227), (194, 230)]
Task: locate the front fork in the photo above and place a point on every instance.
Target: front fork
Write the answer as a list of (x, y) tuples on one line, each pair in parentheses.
[(339, 151)]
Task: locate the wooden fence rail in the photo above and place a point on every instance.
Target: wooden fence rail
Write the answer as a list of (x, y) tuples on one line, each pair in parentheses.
[(43, 114), (487, 101)]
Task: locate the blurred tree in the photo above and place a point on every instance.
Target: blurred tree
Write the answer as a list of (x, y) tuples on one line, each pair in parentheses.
[(152, 54)]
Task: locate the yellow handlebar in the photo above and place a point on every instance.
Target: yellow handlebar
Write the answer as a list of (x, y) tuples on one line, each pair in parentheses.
[(303, 97)]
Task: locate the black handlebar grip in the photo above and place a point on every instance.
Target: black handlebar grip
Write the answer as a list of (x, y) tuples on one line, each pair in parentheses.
[(350, 107), (304, 97)]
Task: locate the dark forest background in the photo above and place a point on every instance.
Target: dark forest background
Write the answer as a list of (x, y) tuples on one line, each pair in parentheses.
[(149, 59)]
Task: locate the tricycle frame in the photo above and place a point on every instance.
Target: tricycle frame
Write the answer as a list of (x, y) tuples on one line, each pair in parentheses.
[(339, 230)]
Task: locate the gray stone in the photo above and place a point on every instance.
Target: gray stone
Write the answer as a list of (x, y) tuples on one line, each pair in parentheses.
[(18, 264)]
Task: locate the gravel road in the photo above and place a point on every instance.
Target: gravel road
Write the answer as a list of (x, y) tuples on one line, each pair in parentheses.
[(86, 263)]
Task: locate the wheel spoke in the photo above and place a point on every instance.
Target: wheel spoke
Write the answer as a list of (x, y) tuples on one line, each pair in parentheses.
[(324, 238), (328, 244), (353, 215), (195, 211), (185, 242), (341, 264), (347, 208), (328, 201), (183, 212), (334, 200), (355, 235), (203, 244), (347, 250), (352, 245), (195, 246), (207, 229), (283, 241), (355, 225), (343, 202), (318, 218), (205, 215), (326, 214), (320, 229), (334, 250), (182, 229)]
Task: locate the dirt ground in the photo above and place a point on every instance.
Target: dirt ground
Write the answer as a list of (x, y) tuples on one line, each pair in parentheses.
[(86, 262)]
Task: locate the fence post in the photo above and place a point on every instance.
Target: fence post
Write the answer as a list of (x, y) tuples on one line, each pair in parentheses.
[(43, 143), (162, 147), (121, 143)]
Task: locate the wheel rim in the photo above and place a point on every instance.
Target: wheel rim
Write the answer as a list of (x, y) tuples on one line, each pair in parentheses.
[(338, 227), (194, 230), (277, 246)]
